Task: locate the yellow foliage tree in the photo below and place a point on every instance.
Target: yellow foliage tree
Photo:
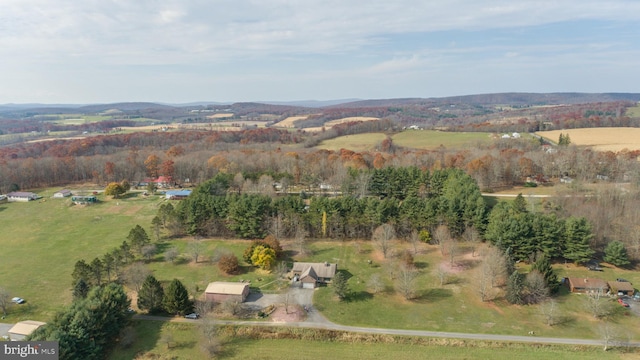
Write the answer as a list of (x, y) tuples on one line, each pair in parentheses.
[(263, 257)]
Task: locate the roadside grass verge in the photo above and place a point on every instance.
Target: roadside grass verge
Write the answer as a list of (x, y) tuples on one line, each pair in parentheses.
[(241, 342)]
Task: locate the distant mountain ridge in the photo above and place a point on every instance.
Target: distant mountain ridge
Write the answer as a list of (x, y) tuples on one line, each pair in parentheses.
[(507, 99)]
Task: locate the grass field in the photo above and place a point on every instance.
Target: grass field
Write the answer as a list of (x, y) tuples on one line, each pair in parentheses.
[(602, 139), (41, 241), (633, 111), (429, 139), (359, 142), (185, 346)]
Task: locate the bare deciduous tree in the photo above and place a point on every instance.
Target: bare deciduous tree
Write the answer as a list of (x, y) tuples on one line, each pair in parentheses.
[(483, 281), (441, 274), (375, 283), (135, 274), (597, 303), (171, 254), (383, 235), (148, 251), (441, 236), (496, 266), (535, 288), (550, 311), (414, 240), (406, 282), (195, 248), (472, 236)]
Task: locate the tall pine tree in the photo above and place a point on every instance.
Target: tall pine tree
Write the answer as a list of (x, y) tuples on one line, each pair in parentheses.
[(577, 233), (151, 295), (176, 299)]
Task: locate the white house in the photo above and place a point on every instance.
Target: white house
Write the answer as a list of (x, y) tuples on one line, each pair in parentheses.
[(62, 193)]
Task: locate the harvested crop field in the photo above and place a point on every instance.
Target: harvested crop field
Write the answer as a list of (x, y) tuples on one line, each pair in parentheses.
[(602, 139), (289, 122)]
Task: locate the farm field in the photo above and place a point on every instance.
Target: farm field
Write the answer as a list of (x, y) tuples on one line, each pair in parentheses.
[(430, 139), (416, 139), (359, 142), (602, 139)]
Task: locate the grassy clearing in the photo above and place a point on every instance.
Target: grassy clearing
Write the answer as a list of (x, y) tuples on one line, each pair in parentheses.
[(602, 139), (359, 142), (633, 111), (41, 240), (431, 139)]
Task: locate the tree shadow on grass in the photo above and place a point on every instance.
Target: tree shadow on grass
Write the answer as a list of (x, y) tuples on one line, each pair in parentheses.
[(421, 264), (359, 296), (432, 295)]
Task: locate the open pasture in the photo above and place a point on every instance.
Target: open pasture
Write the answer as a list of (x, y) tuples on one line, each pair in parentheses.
[(358, 142), (601, 139), (431, 139)]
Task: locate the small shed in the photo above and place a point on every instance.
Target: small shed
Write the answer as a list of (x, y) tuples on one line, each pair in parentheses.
[(221, 291), (623, 287), (21, 196), (23, 329), (83, 200), (587, 285), (62, 193)]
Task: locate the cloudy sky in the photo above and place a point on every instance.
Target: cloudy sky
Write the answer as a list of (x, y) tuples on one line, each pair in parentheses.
[(91, 51)]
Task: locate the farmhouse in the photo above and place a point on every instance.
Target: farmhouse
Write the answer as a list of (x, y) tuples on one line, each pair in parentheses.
[(621, 287), (313, 274), (221, 291), (23, 329), (21, 196), (84, 200), (586, 285), (62, 193), (177, 194)]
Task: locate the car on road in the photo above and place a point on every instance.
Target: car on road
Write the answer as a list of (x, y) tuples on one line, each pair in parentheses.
[(18, 300), (192, 316), (623, 303)]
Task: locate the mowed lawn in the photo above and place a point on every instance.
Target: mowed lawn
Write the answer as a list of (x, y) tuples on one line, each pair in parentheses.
[(41, 240)]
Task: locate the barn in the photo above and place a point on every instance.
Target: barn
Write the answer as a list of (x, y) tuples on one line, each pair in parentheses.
[(21, 196), (221, 291), (22, 329), (62, 193)]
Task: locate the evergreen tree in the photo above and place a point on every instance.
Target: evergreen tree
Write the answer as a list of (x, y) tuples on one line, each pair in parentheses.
[(80, 289), (81, 270), (138, 238), (577, 236), (340, 286), (151, 295), (176, 299), (519, 204), (543, 266), (615, 253), (515, 285)]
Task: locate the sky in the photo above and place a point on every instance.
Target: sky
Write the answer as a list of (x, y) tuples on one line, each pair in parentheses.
[(180, 51)]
